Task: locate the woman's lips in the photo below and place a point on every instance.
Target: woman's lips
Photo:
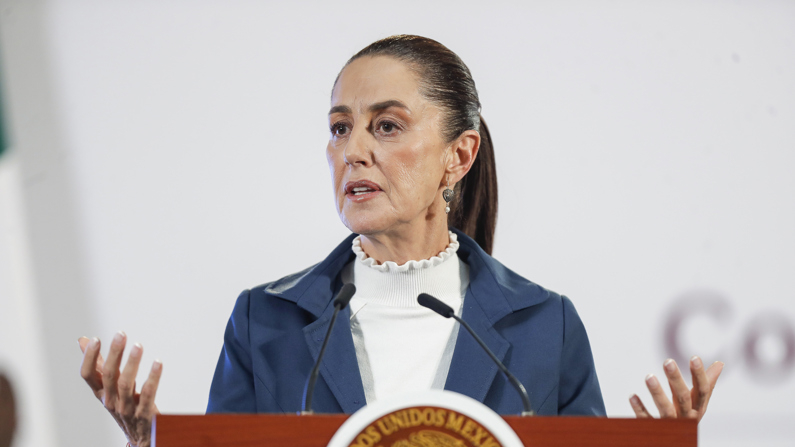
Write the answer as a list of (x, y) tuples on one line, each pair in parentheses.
[(361, 190), (361, 197)]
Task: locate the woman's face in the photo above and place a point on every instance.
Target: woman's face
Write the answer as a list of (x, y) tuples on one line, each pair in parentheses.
[(386, 152)]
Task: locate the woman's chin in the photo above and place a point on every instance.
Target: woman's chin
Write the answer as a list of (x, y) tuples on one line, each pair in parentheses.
[(365, 229), (365, 225)]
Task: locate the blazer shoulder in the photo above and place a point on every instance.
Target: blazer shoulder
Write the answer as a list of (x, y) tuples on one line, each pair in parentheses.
[(519, 291), (283, 284), (311, 287)]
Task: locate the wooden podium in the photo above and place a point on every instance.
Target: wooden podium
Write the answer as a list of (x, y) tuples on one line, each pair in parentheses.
[(258, 430)]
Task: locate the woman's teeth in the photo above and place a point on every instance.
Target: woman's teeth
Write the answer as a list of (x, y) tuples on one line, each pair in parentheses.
[(361, 190)]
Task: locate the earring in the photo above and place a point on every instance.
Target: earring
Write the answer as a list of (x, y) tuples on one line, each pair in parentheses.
[(448, 195)]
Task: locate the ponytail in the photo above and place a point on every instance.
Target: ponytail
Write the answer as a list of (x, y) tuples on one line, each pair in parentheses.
[(474, 211)]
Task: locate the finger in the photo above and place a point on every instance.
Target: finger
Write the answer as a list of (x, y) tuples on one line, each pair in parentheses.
[(146, 403), (664, 405), (110, 371), (713, 372), (701, 387), (154, 407), (679, 389), (88, 369), (126, 384), (83, 342), (638, 407)]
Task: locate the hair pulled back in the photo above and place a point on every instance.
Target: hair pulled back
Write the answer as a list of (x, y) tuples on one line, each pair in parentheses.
[(446, 81)]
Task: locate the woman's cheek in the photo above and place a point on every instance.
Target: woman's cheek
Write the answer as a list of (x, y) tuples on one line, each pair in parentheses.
[(422, 172), (337, 192), (408, 195)]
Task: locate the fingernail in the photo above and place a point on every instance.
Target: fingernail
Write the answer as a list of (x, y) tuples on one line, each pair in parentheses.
[(94, 341), (652, 382), (634, 399), (695, 362), (136, 349), (118, 337), (157, 365), (670, 365)]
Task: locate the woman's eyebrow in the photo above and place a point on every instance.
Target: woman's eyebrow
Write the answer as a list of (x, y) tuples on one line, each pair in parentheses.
[(377, 107), (339, 109)]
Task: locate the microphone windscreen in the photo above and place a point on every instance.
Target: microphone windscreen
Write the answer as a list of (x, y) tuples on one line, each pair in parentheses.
[(435, 305), (345, 295)]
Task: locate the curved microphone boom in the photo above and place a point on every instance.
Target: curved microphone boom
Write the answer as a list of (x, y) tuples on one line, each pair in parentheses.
[(342, 300), (446, 311)]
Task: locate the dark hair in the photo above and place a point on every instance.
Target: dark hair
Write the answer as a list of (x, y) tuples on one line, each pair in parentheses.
[(446, 81)]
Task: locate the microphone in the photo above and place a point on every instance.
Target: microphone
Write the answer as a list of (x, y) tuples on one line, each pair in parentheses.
[(342, 300), (446, 311)]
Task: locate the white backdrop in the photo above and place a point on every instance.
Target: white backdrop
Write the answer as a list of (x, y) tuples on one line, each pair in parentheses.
[(168, 155)]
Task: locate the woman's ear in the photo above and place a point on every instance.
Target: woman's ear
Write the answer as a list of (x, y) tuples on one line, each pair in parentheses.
[(462, 154)]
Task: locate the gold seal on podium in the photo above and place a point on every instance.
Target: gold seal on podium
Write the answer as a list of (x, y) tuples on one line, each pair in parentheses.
[(430, 419)]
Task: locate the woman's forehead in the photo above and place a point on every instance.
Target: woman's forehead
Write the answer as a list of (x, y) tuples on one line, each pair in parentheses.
[(369, 80)]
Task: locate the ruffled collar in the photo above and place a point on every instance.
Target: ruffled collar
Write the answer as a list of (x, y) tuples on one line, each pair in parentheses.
[(389, 266)]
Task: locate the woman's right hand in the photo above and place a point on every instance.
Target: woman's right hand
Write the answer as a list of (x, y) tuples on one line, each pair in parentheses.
[(116, 389)]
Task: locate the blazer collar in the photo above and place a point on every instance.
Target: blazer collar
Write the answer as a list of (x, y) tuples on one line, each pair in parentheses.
[(498, 290), (313, 289)]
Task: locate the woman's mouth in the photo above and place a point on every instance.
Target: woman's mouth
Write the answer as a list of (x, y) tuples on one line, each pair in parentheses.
[(361, 190)]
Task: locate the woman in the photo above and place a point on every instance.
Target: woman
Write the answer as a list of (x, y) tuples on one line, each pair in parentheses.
[(413, 175)]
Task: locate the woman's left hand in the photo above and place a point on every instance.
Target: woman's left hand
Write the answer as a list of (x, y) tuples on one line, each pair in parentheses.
[(688, 403)]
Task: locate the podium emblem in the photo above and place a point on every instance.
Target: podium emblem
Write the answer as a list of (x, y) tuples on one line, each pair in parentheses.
[(432, 418)]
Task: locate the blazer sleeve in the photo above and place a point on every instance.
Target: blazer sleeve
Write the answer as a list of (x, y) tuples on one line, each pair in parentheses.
[(232, 389), (579, 392)]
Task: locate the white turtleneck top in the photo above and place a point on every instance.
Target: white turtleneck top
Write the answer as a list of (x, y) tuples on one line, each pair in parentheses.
[(401, 346)]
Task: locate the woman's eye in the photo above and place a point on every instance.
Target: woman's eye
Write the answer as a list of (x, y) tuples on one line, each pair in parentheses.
[(339, 129), (387, 127)]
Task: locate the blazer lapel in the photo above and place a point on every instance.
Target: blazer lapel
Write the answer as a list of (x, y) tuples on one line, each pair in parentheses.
[(313, 291), (339, 368), (471, 370)]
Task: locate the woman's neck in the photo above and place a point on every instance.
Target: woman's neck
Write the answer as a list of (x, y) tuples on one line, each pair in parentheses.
[(402, 247)]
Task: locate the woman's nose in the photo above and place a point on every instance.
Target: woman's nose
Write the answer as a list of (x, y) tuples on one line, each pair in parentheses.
[(358, 150)]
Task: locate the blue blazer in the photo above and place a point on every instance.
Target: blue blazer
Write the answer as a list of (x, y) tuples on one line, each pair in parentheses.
[(276, 329)]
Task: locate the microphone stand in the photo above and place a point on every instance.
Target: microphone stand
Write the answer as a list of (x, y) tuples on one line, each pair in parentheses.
[(446, 311), (342, 300)]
